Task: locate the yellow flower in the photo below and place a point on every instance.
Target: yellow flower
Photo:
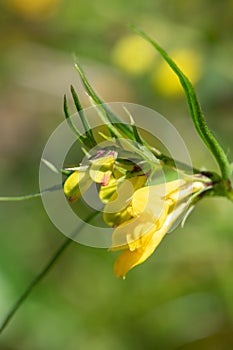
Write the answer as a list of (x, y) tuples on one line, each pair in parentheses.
[(114, 177), (140, 214), (133, 54), (97, 169), (155, 209), (77, 182), (34, 9)]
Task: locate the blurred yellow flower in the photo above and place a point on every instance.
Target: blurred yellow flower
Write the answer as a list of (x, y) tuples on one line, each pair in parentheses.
[(133, 54), (33, 9), (154, 211), (165, 80)]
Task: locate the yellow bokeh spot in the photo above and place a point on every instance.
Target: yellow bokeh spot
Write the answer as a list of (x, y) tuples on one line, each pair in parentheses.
[(165, 80), (133, 54), (33, 9)]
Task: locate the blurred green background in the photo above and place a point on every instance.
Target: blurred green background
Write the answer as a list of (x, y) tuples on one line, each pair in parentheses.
[(182, 297)]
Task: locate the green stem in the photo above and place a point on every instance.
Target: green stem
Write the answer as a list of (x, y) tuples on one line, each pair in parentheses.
[(20, 198), (42, 274), (230, 195), (195, 109), (30, 196), (34, 282)]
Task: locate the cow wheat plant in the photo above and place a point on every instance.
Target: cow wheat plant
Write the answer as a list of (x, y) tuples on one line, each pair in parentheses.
[(141, 217)]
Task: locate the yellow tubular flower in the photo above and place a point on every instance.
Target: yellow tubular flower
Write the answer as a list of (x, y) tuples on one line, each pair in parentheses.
[(155, 209), (77, 180)]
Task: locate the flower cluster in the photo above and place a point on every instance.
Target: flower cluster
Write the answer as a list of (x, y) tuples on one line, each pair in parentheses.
[(140, 212)]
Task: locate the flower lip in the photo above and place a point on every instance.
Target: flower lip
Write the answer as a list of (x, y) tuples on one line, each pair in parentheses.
[(156, 210)]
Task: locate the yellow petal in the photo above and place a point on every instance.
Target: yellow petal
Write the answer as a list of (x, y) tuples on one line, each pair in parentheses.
[(142, 239), (116, 218), (101, 175), (116, 210), (186, 191), (133, 231), (129, 259), (130, 232), (147, 196), (153, 197), (77, 180), (101, 168)]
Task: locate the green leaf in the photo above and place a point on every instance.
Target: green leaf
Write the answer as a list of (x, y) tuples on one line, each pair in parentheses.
[(69, 121), (195, 109), (112, 118), (82, 115), (137, 136)]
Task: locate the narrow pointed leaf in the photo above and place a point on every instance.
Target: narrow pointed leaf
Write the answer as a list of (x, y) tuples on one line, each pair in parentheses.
[(137, 136), (81, 114), (69, 121), (195, 109), (110, 115)]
